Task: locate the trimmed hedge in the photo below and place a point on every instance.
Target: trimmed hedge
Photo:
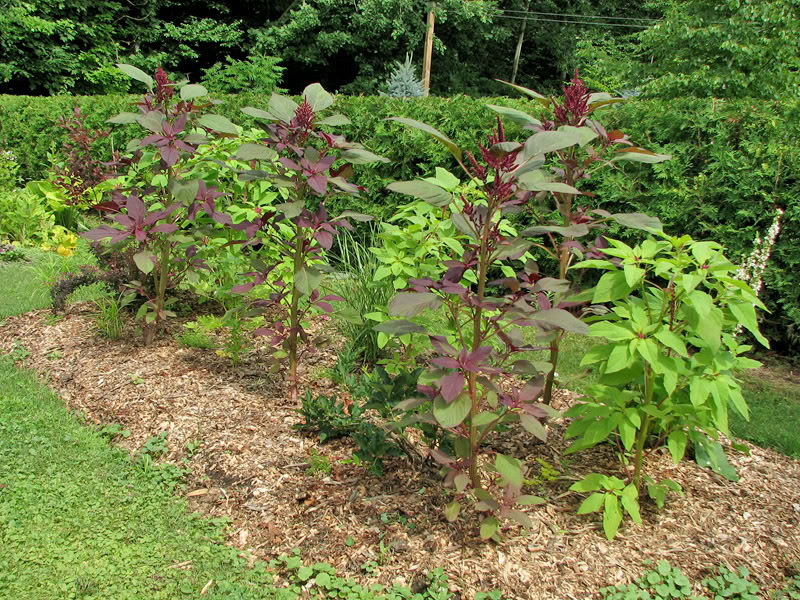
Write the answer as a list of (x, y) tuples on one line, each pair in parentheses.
[(733, 162)]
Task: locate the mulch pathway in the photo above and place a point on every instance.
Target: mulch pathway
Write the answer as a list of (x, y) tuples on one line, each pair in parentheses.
[(251, 467)]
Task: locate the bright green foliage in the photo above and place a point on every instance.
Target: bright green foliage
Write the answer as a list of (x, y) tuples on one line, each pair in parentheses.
[(724, 49), (9, 170), (733, 161), (258, 74), (667, 371), (665, 582), (732, 584), (609, 495)]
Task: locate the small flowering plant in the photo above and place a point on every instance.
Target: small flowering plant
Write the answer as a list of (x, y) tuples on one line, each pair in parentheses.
[(306, 154), (668, 366), (154, 210), (754, 266)]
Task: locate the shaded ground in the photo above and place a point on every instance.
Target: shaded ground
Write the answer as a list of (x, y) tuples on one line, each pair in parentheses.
[(251, 466)]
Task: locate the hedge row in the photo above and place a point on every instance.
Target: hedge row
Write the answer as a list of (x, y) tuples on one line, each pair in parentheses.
[(733, 163)]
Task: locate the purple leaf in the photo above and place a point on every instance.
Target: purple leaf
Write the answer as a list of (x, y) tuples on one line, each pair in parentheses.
[(333, 298), (324, 238), (447, 363), (102, 232), (243, 288), (170, 155), (165, 228), (318, 184), (452, 386), (135, 208), (325, 306)]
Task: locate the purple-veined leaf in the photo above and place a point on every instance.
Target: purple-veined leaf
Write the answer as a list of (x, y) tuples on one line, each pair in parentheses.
[(533, 426), (136, 73), (324, 238), (517, 116), (573, 231), (185, 191), (123, 118), (257, 113), (191, 91), (449, 144), (410, 304), (318, 183), (333, 120), (346, 186), (326, 306), (217, 123), (152, 121), (638, 221), (637, 154), (317, 97), (360, 156), (291, 209), (282, 108), (430, 193), (399, 327), (333, 298), (439, 342), (306, 280), (543, 100), (452, 386), (464, 225), (514, 249), (356, 216), (103, 232), (249, 151), (560, 319), (550, 141), (170, 155)]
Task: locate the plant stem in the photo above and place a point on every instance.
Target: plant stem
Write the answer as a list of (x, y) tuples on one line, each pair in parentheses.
[(299, 240), (161, 292)]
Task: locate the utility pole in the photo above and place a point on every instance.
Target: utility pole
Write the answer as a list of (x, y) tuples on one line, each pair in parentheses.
[(519, 44), (426, 58)]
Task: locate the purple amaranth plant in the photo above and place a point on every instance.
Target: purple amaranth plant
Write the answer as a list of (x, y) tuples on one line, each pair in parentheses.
[(305, 156), (159, 220), (570, 165)]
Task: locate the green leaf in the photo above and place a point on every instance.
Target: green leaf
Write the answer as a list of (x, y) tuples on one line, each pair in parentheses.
[(282, 108), (573, 231), (584, 134), (672, 341), (257, 113), (516, 248), (638, 221), (123, 118), (291, 209), (557, 317), (745, 313), (550, 141), (317, 97), (533, 426), (489, 527), (410, 304), (517, 116), (306, 280), (543, 100), (451, 510), (510, 469), (432, 194), (633, 274), (527, 500), (360, 156), (591, 482), (610, 331), (334, 120), (636, 154), (185, 191), (611, 286), (592, 504), (449, 144), (400, 327), (145, 261), (612, 516), (630, 502), (676, 442), (464, 225), (453, 414), (152, 121), (136, 73), (249, 151), (484, 418), (193, 90), (217, 123)]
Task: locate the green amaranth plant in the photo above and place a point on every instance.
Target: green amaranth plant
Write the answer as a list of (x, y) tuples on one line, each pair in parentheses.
[(306, 154), (563, 222), (667, 371), (157, 216)]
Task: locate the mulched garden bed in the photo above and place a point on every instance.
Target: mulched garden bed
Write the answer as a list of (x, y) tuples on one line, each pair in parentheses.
[(252, 467)]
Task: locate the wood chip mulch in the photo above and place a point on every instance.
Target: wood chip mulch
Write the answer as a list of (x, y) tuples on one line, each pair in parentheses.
[(251, 466)]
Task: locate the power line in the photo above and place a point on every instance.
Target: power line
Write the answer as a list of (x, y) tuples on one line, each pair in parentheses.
[(590, 17), (541, 20)]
